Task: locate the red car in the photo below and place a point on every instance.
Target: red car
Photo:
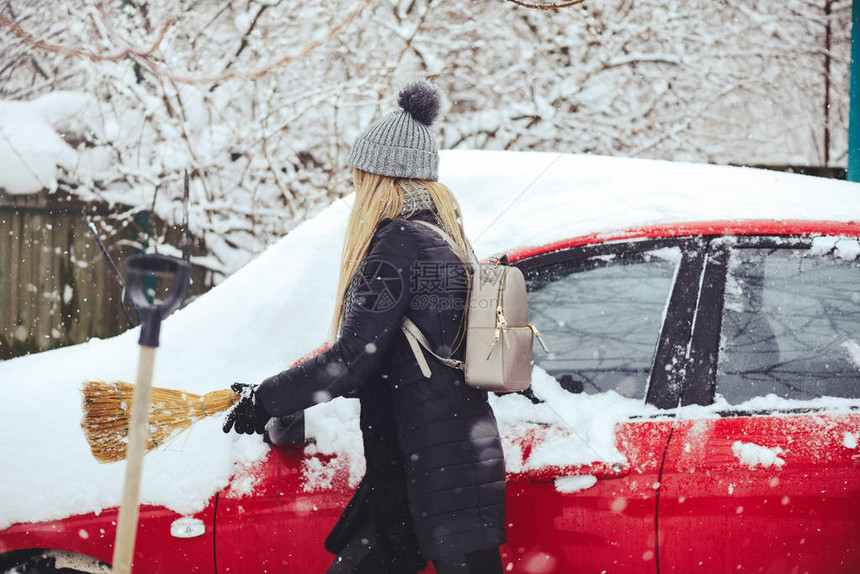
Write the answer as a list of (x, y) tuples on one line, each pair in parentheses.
[(740, 340)]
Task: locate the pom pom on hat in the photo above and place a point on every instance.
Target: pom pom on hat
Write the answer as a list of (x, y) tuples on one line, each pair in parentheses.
[(421, 101)]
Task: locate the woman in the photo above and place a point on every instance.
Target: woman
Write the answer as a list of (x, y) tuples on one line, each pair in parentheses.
[(435, 482)]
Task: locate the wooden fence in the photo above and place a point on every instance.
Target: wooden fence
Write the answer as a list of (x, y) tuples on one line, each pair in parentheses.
[(56, 287)]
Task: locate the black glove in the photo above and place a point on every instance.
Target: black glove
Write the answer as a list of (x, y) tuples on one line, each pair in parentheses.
[(248, 415)]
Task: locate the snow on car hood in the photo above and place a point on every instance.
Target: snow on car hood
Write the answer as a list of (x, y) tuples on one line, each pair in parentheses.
[(277, 308)]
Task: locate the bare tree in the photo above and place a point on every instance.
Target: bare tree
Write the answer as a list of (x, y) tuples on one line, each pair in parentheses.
[(261, 99)]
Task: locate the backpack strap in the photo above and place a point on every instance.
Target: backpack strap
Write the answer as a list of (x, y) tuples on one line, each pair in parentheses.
[(414, 336), (417, 340), (451, 243)]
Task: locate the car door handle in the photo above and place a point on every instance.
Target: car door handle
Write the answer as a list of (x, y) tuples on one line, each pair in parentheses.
[(599, 470)]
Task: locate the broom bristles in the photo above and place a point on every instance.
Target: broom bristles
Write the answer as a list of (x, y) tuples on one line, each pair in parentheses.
[(107, 410)]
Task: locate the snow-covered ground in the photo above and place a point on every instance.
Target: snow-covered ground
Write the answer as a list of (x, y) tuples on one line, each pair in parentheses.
[(277, 308)]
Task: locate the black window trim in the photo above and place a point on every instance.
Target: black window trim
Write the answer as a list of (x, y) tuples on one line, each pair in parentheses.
[(666, 385), (707, 327), (532, 265)]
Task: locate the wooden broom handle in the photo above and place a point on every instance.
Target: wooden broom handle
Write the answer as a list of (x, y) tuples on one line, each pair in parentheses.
[(126, 528)]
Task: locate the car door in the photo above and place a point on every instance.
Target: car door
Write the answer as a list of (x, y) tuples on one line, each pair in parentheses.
[(766, 478), (583, 494), (275, 516)]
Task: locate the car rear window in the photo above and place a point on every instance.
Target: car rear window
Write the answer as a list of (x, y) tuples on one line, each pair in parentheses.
[(601, 318), (791, 324)]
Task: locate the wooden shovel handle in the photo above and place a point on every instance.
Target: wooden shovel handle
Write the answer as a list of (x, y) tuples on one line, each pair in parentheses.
[(126, 528)]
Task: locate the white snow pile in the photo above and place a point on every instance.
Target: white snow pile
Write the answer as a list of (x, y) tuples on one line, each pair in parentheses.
[(334, 427), (853, 349), (31, 148), (582, 426), (847, 248), (571, 484), (753, 455), (277, 309), (770, 403)]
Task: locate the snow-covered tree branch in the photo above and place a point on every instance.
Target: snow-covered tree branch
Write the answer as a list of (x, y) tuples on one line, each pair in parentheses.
[(260, 99)]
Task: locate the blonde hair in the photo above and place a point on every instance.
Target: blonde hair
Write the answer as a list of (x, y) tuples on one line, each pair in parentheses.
[(378, 197)]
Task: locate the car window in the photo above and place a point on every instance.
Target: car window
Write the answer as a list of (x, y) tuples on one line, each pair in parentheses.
[(601, 319), (790, 325)]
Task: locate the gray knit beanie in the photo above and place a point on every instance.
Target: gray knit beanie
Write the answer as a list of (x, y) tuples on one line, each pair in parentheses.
[(400, 145)]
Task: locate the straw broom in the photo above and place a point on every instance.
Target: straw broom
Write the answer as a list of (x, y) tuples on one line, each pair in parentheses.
[(107, 408)]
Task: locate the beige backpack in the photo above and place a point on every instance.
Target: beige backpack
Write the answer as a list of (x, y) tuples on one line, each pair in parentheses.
[(499, 336)]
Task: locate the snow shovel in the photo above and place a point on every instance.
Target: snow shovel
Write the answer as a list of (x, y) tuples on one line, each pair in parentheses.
[(144, 269)]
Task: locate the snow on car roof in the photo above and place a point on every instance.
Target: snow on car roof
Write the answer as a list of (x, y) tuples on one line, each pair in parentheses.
[(530, 198), (277, 309)]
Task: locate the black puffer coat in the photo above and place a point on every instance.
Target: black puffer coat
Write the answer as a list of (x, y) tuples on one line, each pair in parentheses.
[(435, 468)]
